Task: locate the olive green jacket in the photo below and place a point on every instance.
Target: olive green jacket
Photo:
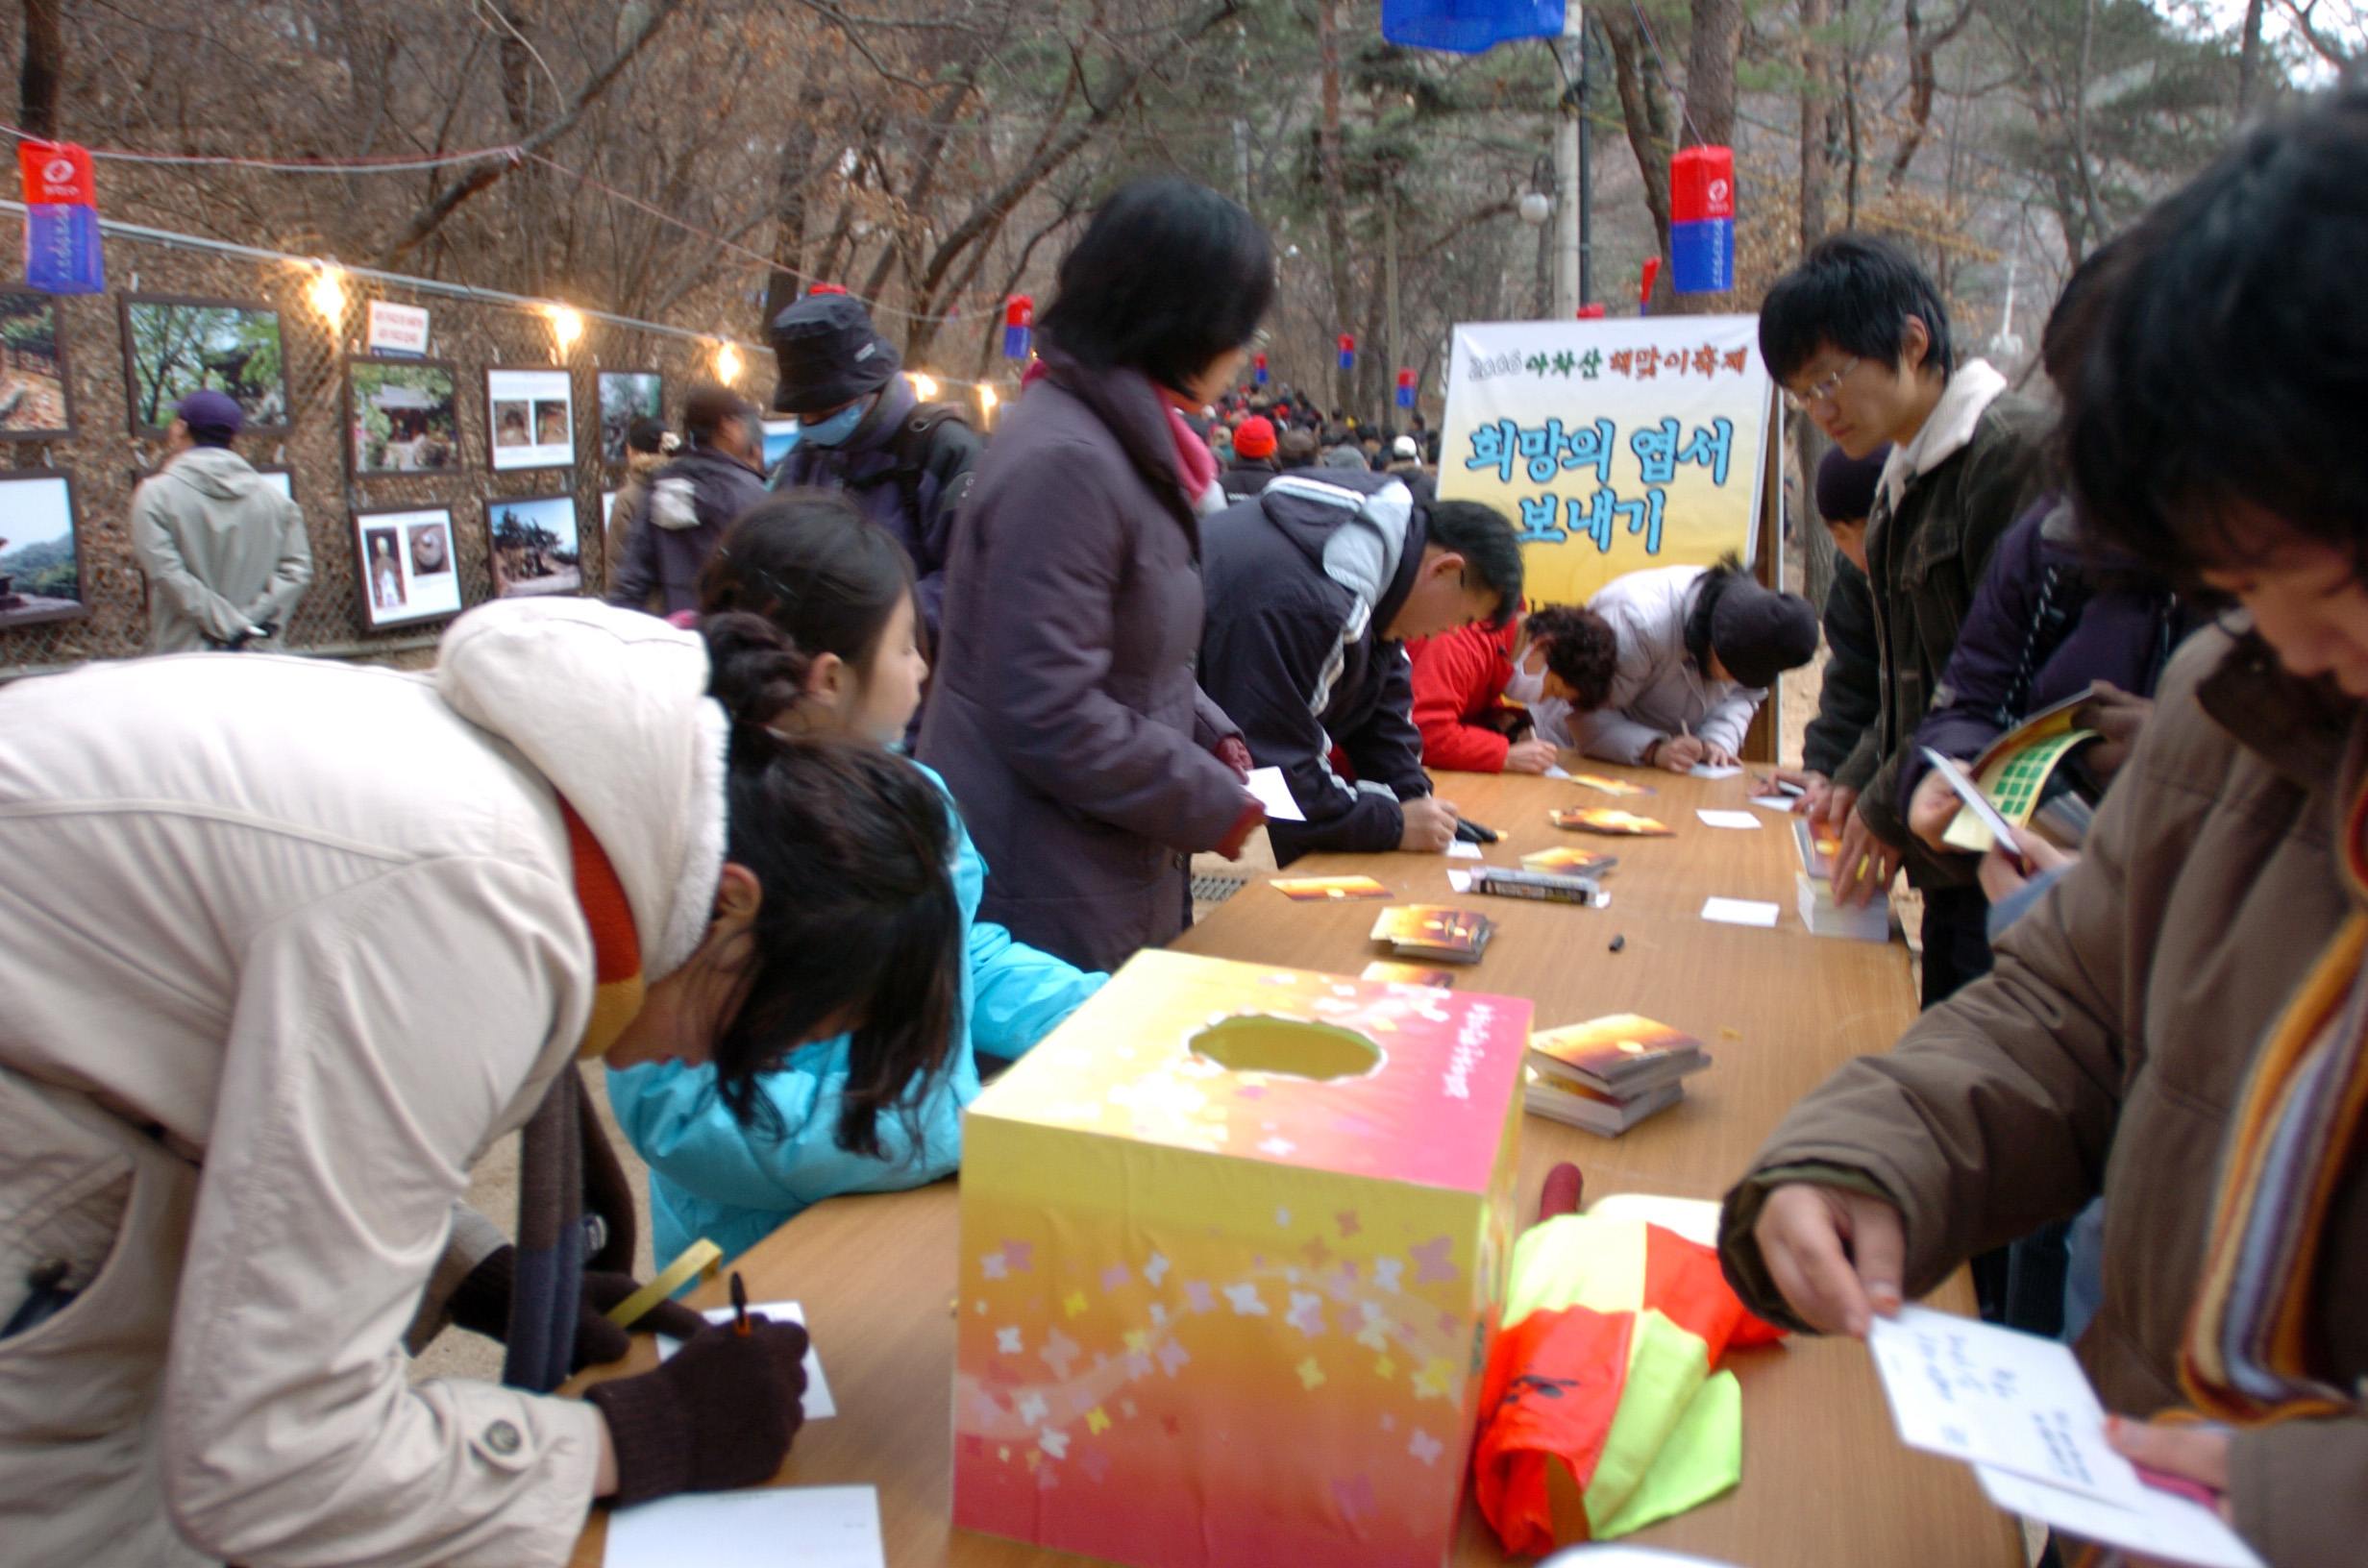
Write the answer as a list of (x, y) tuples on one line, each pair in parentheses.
[(1927, 545)]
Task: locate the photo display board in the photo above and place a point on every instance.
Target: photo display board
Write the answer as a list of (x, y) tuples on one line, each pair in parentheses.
[(174, 346), (33, 381), (401, 417), (535, 546), (405, 567), (625, 396), (41, 560), (531, 414)]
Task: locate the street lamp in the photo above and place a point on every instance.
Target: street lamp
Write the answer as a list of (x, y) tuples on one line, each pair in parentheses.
[(1535, 207)]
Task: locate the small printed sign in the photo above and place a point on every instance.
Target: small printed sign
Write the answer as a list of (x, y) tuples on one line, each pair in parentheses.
[(398, 329)]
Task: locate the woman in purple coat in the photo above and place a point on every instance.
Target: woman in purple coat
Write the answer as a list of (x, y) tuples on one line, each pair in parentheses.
[(1068, 718)]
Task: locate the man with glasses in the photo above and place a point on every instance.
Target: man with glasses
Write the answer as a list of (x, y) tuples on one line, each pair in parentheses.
[(1858, 336)]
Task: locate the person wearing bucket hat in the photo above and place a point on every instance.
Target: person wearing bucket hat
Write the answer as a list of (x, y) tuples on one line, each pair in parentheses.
[(224, 552), (863, 431), (1698, 648)]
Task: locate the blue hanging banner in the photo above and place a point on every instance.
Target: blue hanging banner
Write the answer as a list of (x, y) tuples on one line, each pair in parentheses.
[(1468, 27), (62, 219)]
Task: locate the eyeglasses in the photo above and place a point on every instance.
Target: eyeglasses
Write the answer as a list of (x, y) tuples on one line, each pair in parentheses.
[(1822, 392)]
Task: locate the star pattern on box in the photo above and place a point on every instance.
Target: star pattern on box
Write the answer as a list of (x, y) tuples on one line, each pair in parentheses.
[(1311, 1374)]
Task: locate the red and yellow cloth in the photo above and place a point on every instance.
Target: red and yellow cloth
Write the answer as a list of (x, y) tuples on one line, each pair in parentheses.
[(1607, 1362)]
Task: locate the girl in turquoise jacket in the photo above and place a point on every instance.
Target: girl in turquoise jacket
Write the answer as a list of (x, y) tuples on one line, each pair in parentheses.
[(842, 588)]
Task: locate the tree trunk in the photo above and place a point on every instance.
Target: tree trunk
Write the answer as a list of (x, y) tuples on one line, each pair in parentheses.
[(2247, 64), (1644, 113), (789, 197), (1335, 189), (1709, 73), (1809, 447), (1816, 174), (37, 83)]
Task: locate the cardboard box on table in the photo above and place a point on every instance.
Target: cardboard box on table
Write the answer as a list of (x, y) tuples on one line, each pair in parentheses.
[(1212, 1314)]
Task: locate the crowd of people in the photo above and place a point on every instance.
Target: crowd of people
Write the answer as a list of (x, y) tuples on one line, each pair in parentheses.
[(873, 767)]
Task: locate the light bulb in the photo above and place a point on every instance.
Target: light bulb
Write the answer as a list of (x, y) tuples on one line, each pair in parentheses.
[(327, 294), (986, 397), (1535, 207), (566, 326), (727, 362), (926, 386)]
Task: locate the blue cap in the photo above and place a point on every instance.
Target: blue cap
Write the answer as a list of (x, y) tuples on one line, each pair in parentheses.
[(213, 417)]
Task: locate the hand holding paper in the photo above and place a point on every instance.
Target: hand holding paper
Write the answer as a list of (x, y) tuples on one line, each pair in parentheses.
[(1274, 791)]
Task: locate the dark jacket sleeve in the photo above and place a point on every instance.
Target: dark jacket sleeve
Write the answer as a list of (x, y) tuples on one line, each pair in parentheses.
[(1267, 665), (1047, 631), (1852, 695), (1387, 748), (637, 574), (1963, 716), (953, 453), (1211, 723)]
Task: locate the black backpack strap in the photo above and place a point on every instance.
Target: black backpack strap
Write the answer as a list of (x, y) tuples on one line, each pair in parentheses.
[(923, 445)]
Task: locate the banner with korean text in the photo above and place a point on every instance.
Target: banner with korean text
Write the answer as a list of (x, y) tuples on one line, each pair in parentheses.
[(1613, 445)]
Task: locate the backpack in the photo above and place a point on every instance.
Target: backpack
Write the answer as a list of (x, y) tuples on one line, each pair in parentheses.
[(925, 446)]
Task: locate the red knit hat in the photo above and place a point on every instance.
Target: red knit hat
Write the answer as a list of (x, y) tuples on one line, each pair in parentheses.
[(1254, 437)]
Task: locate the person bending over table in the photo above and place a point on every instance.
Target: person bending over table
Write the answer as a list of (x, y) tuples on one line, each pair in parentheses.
[(1313, 587), (2182, 1023), (1698, 648), (286, 944), (1493, 700)]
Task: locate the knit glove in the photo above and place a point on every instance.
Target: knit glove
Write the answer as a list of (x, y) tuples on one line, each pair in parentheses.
[(480, 1304), (719, 1414)]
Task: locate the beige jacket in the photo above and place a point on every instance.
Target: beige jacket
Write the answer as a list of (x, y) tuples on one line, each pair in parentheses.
[(284, 945), (2108, 1052), (224, 552)]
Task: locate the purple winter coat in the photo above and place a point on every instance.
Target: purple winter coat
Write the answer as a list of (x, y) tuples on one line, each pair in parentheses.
[(2100, 629), (1067, 717)]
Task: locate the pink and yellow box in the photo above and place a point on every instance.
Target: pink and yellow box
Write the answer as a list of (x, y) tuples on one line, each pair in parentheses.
[(1233, 1251)]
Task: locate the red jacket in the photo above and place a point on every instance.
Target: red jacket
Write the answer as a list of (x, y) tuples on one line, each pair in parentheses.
[(1459, 675)]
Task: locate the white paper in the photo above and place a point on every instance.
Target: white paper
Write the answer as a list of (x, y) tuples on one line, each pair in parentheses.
[(1704, 769), (1273, 792), (767, 1527), (1739, 912), (1740, 821), (1460, 881), (1784, 803), (1463, 849), (1974, 1391), (1555, 770), (817, 1402), (2165, 1525)]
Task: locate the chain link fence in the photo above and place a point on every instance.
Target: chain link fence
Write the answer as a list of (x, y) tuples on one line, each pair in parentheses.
[(107, 460)]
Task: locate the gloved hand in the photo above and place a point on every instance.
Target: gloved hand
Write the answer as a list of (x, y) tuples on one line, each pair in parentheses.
[(1234, 754), (720, 1414), (481, 1302)]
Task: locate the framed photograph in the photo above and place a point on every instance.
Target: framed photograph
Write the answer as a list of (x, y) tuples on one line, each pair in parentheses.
[(41, 567), (32, 400), (537, 548), (625, 396), (400, 416), (532, 414), (174, 346), (405, 567), (780, 440)]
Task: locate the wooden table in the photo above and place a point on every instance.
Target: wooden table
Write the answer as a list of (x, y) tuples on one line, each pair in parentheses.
[(1826, 1481)]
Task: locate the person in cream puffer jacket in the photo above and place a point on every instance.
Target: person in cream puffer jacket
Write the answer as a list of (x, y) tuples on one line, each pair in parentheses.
[(284, 945)]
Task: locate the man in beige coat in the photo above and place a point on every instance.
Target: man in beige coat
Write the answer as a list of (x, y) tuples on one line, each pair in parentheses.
[(224, 552)]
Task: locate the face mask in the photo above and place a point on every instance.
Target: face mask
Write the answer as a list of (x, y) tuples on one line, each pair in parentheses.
[(839, 426), (1525, 688)]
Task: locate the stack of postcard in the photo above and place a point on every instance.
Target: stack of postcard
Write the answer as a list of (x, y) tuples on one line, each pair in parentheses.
[(1616, 823), (1607, 1074), (1449, 936), (1870, 921)]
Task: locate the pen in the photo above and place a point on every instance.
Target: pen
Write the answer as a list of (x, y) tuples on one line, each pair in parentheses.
[(739, 1304)]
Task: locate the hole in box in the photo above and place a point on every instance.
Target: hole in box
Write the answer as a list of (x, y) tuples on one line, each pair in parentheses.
[(1266, 1042)]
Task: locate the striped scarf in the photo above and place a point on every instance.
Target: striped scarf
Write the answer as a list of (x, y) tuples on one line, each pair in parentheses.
[(2298, 1131), (562, 1137)]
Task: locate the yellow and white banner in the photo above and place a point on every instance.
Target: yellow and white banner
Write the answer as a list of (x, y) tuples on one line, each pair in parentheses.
[(1613, 445)]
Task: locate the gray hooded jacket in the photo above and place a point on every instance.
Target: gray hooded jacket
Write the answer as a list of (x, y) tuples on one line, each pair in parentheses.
[(225, 552)]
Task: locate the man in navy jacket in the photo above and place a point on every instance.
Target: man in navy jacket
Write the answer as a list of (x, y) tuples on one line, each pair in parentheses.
[(1313, 587)]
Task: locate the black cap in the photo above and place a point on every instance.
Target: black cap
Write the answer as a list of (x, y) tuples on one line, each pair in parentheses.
[(1847, 484), (646, 434), (1759, 635), (830, 354)]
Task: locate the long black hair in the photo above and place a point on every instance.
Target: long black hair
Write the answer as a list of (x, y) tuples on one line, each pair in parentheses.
[(811, 564), (854, 848), (1168, 275)]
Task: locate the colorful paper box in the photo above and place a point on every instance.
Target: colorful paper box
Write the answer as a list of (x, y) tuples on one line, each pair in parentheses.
[(1233, 1251)]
